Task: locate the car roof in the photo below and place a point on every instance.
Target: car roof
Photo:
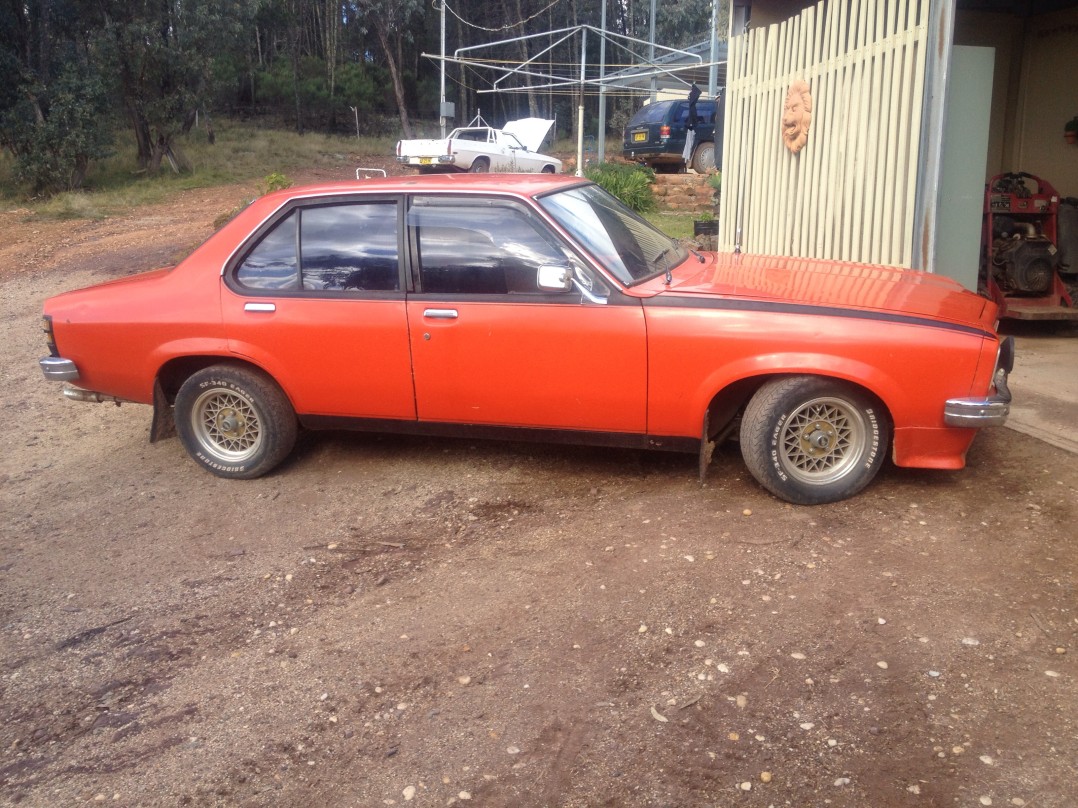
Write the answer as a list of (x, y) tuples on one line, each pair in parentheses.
[(521, 184)]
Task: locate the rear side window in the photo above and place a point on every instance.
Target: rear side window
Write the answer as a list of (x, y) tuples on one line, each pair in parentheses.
[(330, 248), (272, 263)]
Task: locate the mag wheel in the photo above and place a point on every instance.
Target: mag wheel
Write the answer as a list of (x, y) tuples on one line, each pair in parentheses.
[(235, 421), (810, 440)]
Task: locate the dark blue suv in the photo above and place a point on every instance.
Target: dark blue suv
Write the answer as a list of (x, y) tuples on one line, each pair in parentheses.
[(656, 135)]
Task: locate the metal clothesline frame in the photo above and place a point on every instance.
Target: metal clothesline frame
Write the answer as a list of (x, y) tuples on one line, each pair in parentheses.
[(507, 71)]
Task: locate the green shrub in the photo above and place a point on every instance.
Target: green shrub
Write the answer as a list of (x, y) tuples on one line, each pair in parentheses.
[(55, 138), (630, 184), (275, 182)]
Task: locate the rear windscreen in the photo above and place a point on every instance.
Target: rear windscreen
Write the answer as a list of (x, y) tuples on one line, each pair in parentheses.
[(652, 113)]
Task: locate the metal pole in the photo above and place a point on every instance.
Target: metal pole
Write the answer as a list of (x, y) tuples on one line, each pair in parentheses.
[(713, 70), (601, 156), (441, 86), (580, 106), (651, 51)]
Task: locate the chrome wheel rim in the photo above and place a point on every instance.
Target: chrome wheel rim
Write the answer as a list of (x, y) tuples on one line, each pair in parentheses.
[(226, 425), (822, 441)]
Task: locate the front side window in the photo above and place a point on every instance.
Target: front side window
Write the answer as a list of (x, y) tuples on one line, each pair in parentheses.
[(480, 250), (348, 247)]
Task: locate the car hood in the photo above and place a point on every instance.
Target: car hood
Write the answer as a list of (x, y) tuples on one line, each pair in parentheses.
[(831, 284), (529, 131)]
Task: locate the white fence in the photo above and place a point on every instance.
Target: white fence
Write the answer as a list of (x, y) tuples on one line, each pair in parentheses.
[(849, 193)]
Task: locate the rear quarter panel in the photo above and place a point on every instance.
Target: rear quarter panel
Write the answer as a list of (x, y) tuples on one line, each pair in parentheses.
[(120, 334)]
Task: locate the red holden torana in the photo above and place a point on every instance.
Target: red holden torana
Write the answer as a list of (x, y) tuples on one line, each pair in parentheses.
[(533, 307)]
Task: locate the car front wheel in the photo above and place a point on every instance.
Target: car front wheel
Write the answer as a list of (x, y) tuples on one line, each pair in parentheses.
[(235, 421), (810, 440)]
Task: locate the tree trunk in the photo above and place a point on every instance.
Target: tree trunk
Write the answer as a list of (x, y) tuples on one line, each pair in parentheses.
[(394, 72), (533, 103), (142, 139)]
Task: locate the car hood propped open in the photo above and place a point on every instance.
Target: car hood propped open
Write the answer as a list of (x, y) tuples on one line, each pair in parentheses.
[(529, 131)]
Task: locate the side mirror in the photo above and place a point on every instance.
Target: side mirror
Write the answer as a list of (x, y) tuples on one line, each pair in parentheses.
[(555, 278)]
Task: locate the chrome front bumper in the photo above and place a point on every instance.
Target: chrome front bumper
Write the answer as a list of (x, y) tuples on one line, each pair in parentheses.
[(974, 413), (57, 369)]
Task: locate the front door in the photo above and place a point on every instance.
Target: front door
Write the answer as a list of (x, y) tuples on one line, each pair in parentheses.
[(489, 347)]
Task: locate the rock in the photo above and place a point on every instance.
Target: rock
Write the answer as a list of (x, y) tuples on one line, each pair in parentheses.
[(642, 628), (970, 641), (513, 750), (699, 643), (807, 725), (722, 667), (1053, 674), (765, 777), (986, 800), (797, 655), (842, 781), (741, 701), (658, 716), (934, 674), (464, 795), (408, 793), (746, 786), (464, 679), (747, 512), (881, 664), (914, 789), (987, 760)]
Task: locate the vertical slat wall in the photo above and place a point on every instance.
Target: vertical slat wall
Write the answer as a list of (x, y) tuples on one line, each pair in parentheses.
[(849, 193)]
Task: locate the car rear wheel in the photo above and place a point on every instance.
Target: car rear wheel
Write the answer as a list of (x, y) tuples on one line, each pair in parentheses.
[(810, 440), (235, 421), (703, 159), (480, 165)]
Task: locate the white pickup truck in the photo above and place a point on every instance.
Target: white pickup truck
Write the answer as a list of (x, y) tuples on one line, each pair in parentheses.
[(477, 149)]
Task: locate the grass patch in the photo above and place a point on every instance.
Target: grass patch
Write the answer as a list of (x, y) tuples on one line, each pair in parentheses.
[(243, 152), (675, 225)]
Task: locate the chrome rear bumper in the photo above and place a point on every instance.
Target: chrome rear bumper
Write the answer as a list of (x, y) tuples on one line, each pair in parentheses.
[(58, 369)]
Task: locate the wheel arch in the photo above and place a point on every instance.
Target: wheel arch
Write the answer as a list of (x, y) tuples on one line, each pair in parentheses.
[(730, 396), (175, 371)]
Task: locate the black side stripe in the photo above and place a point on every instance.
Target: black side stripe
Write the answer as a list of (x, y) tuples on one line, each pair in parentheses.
[(686, 302)]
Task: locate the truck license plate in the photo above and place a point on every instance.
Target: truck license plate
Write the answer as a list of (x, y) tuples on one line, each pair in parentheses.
[(639, 137), (426, 161)]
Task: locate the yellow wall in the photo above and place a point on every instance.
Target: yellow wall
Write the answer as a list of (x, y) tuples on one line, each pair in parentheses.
[(1034, 94)]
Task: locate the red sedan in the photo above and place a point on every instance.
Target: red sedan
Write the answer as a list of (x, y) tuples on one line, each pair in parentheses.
[(533, 307)]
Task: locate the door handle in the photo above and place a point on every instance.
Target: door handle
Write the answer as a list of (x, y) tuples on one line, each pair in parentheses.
[(440, 314), (259, 307)]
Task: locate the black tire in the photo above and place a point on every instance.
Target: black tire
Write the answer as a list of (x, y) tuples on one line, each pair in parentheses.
[(235, 421), (480, 165), (810, 440), (703, 159)]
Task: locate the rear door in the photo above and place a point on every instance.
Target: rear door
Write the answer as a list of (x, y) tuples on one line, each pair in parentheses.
[(488, 347), (317, 301)]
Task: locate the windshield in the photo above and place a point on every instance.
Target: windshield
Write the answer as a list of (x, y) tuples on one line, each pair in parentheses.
[(627, 245)]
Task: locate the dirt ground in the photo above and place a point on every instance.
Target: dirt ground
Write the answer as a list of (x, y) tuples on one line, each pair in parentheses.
[(391, 621)]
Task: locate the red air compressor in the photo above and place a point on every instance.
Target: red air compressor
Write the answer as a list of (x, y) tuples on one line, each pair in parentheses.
[(1020, 245)]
